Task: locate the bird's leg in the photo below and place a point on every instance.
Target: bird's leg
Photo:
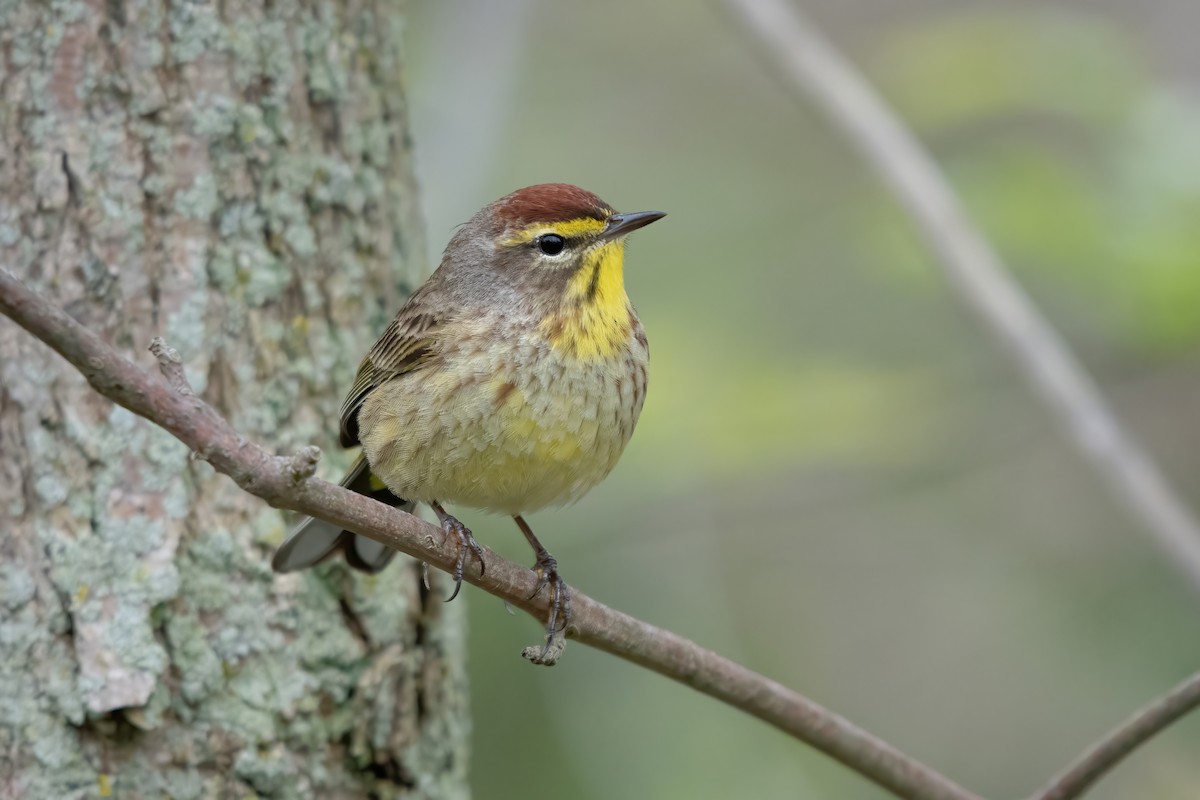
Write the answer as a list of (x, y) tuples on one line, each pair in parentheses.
[(466, 542), (546, 568)]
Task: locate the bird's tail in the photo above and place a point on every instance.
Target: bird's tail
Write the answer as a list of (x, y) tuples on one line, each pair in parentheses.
[(314, 540)]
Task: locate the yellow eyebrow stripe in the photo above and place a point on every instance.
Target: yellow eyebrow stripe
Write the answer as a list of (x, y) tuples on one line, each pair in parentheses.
[(584, 226)]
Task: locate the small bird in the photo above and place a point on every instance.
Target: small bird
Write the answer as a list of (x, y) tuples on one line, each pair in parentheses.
[(510, 381)]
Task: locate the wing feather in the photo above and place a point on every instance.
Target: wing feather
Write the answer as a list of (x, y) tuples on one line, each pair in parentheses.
[(404, 347)]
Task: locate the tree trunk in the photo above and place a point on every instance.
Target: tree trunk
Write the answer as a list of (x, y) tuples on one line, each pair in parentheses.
[(234, 176)]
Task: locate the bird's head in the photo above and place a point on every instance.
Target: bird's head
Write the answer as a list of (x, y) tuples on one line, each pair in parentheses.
[(548, 246)]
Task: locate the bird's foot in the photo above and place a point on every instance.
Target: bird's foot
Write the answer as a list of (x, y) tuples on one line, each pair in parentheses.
[(466, 544), (546, 568)]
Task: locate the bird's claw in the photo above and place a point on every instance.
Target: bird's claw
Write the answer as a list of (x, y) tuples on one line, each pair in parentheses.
[(466, 543), (546, 569)]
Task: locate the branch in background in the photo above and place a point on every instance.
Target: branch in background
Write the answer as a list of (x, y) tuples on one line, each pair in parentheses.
[(812, 65), (289, 483), (1127, 737)]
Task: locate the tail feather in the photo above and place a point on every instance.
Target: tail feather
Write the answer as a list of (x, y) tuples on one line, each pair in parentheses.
[(314, 540)]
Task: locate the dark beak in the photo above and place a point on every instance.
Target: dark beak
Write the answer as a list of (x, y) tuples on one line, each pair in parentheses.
[(622, 224)]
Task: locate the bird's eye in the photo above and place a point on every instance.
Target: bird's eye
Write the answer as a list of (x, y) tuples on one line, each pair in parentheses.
[(551, 244)]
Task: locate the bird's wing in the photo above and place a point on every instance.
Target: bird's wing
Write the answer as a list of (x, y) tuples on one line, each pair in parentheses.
[(405, 346)]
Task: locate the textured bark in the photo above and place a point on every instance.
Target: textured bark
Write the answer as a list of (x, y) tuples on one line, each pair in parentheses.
[(234, 176)]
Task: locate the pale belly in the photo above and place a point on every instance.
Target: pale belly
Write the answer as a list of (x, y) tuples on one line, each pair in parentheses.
[(541, 430)]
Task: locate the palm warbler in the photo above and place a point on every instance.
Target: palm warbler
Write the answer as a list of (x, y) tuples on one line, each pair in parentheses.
[(510, 381)]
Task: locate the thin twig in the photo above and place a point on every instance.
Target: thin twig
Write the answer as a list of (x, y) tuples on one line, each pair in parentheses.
[(170, 365), (811, 64), (304, 463), (1123, 740), (282, 482)]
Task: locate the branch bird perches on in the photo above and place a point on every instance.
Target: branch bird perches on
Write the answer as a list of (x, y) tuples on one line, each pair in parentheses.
[(168, 401), (290, 483)]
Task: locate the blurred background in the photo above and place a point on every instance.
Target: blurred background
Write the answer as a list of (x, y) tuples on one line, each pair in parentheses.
[(839, 479)]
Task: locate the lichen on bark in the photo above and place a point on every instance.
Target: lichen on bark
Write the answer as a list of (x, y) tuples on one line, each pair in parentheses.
[(235, 177)]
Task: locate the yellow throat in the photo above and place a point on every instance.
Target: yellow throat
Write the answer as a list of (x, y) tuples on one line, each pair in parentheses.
[(594, 320)]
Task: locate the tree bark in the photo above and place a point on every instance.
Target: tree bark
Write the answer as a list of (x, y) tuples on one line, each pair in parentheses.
[(236, 177)]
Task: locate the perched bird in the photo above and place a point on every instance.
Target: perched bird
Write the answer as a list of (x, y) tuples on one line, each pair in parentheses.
[(510, 381)]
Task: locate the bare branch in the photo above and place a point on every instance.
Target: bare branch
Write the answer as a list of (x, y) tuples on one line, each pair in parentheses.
[(1127, 737), (548, 654), (287, 483), (812, 65)]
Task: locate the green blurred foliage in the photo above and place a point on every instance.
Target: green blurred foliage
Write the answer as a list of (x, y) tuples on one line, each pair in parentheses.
[(1079, 166), (852, 401)]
